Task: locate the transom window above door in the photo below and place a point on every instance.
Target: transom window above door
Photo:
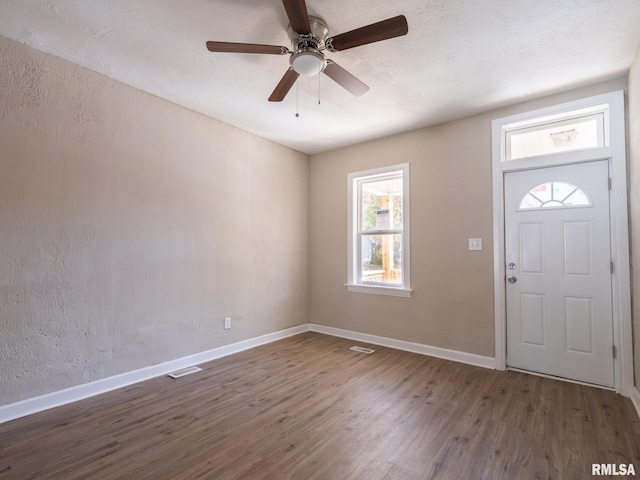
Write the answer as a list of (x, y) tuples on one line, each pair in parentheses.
[(554, 195), (576, 130)]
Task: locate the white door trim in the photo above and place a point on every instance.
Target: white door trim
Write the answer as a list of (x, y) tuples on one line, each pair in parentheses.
[(615, 151)]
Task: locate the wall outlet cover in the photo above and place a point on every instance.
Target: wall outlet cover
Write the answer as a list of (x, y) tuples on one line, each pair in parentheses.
[(475, 244)]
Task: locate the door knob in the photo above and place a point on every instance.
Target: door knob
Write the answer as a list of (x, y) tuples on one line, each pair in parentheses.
[(512, 279)]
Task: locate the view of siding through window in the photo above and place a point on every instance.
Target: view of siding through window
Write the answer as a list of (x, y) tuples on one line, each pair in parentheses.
[(553, 137), (381, 229)]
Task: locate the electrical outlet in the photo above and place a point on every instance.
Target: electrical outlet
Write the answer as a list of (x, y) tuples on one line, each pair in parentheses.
[(227, 323), (475, 244)]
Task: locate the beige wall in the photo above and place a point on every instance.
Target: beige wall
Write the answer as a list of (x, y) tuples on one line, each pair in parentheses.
[(634, 182), (130, 227), (451, 201)]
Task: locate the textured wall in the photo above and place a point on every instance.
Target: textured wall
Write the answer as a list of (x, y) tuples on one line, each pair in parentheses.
[(130, 227), (451, 201), (634, 182)]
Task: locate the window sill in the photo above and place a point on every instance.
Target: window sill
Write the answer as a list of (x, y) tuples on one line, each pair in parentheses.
[(379, 290)]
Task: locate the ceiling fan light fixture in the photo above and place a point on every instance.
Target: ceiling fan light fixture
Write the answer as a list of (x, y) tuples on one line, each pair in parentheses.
[(308, 62)]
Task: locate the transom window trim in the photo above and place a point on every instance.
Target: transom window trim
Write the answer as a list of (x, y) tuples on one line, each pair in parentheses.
[(555, 194), (388, 223), (571, 130)]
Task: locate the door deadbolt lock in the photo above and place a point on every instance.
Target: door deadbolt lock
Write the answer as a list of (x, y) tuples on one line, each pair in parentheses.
[(512, 279), (511, 266)]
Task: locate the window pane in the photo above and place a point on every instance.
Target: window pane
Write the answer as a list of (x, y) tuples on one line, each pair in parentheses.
[(559, 136), (371, 205), (381, 258), (397, 212), (577, 198), (381, 204)]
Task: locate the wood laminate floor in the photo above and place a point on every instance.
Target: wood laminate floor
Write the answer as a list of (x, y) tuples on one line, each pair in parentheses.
[(308, 407)]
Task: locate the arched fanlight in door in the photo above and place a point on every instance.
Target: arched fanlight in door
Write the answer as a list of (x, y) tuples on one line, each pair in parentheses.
[(554, 195)]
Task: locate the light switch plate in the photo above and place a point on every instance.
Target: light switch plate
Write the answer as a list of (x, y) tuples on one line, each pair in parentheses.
[(475, 244)]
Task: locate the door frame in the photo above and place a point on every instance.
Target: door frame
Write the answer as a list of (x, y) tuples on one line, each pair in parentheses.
[(615, 152)]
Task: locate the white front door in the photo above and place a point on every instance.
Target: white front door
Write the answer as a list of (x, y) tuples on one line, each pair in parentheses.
[(558, 270)]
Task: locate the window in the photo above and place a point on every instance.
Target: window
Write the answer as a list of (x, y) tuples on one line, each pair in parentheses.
[(577, 130), (379, 231), (554, 195)]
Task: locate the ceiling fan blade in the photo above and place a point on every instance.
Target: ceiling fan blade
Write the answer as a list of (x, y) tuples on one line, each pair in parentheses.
[(298, 16), (246, 48), (345, 79), (284, 86), (390, 28)]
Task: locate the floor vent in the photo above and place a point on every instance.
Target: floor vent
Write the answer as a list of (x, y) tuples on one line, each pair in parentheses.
[(184, 371), (362, 350)]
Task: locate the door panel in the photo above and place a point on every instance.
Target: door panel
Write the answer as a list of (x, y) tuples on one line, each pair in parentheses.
[(531, 237), (532, 319), (579, 325), (559, 307), (577, 249)]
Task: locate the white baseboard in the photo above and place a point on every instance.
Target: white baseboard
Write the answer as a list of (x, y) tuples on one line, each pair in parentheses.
[(80, 392), (635, 398), (454, 355)]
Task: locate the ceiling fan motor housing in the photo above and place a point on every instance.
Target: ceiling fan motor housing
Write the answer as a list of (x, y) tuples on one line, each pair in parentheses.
[(307, 57)]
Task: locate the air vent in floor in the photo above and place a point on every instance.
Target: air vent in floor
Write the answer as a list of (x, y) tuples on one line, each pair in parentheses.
[(362, 350), (184, 371)]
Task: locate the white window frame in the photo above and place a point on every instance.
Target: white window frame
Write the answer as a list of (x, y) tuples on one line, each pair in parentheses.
[(353, 283), (598, 112)]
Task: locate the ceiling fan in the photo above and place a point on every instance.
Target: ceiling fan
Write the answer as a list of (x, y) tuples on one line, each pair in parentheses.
[(309, 40)]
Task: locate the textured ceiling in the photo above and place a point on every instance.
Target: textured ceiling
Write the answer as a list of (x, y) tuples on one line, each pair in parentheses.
[(460, 57)]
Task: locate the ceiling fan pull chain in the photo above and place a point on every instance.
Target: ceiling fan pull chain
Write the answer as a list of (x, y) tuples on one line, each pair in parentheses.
[(318, 89), (297, 96)]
